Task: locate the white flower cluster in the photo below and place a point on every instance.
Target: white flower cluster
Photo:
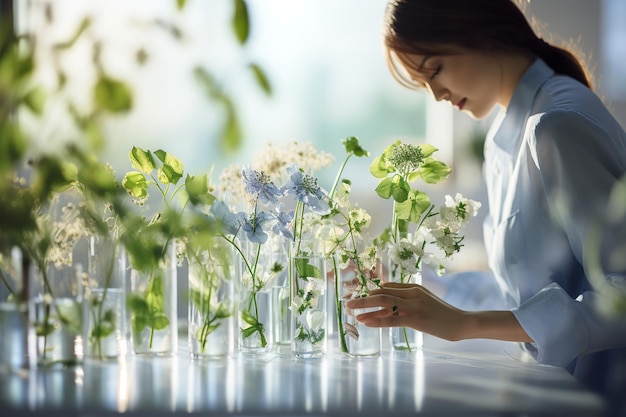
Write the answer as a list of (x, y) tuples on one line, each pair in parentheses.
[(438, 237), (273, 158), (65, 233)]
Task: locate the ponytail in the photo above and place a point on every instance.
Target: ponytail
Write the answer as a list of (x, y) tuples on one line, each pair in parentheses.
[(562, 61)]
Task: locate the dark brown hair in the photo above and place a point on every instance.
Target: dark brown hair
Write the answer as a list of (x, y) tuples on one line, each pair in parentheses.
[(425, 27)]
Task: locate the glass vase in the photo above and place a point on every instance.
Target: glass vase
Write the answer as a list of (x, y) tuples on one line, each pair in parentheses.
[(355, 339), (152, 307), (14, 329), (256, 311), (56, 313), (104, 300), (404, 338), (278, 255), (212, 300), (308, 278)]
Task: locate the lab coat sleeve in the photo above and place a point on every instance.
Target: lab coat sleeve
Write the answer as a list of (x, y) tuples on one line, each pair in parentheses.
[(578, 164)]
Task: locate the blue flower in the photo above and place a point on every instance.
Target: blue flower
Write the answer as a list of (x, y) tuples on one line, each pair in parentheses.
[(305, 189), (283, 220), (230, 221), (253, 226), (259, 185)]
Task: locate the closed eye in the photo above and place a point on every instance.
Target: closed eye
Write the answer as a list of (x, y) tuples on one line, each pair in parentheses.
[(436, 72)]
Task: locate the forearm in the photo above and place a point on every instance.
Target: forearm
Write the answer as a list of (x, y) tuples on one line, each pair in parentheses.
[(498, 325)]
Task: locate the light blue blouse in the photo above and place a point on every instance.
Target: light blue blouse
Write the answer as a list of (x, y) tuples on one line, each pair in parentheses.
[(551, 162)]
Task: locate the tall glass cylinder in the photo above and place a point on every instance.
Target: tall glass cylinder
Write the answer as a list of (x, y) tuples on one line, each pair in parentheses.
[(404, 338), (14, 329), (281, 322), (256, 311), (212, 300), (104, 300), (56, 313), (355, 339), (153, 307), (308, 277)]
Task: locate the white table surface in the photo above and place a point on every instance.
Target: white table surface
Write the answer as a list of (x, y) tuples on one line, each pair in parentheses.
[(475, 378)]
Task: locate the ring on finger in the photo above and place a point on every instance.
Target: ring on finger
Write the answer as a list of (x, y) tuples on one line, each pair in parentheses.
[(394, 310)]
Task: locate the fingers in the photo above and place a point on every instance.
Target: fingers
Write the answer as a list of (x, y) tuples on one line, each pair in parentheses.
[(382, 300), (398, 285), (384, 318)]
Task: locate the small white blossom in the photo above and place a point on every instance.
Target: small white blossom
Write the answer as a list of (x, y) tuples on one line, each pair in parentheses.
[(405, 254), (360, 219), (342, 195)]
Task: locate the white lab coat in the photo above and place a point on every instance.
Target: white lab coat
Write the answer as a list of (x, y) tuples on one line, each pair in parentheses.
[(552, 159)]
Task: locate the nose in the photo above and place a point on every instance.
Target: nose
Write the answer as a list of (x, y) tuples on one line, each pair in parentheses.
[(438, 93)]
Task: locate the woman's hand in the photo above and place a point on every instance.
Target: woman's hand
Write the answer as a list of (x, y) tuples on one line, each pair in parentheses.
[(414, 306), (410, 305)]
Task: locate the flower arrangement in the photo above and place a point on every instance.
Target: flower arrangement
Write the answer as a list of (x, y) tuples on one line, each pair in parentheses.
[(435, 236), (268, 225)]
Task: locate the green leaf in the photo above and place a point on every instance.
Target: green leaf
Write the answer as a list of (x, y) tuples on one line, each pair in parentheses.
[(197, 188), (35, 100), (172, 169), (138, 323), (351, 144), (112, 95), (180, 4), (53, 175), (427, 149), (135, 184), (137, 305), (142, 160), (84, 24), (232, 138), (305, 270), (249, 318), (433, 171), (159, 321), (223, 311), (241, 22), (413, 208), (400, 188), (378, 167), (261, 78), (395, 187)]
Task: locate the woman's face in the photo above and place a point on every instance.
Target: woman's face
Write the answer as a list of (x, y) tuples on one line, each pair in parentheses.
[(470, 81)]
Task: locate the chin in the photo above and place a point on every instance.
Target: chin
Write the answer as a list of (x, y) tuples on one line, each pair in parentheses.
[(478, 114)]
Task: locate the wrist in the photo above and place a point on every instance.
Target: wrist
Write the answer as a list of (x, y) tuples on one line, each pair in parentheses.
[(499, 325)]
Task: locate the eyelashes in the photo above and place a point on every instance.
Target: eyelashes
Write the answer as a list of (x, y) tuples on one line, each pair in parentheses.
[(436, 72)]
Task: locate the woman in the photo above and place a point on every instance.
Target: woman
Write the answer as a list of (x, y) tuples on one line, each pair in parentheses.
[(552, 159)]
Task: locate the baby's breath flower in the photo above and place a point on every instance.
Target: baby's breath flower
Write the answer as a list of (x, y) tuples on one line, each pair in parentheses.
[(406, 158), (230, 184)]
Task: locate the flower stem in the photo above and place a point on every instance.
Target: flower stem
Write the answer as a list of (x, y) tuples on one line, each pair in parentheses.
[(342, 332)]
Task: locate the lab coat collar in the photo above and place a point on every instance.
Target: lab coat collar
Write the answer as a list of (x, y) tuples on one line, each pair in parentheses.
[(509, 133)]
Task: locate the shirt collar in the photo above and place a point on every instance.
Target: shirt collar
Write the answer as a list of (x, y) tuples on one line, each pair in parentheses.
[(509, 133)]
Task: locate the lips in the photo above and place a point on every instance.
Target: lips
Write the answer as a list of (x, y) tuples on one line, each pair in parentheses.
[(461, 104)]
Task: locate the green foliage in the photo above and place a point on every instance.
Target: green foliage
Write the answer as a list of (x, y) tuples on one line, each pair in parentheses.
[(261, 78), (304, 269), (397, 167), (254, 326), (241, 21)]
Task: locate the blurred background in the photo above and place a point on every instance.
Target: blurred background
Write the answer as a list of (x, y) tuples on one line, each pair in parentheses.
[(325, 65)]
